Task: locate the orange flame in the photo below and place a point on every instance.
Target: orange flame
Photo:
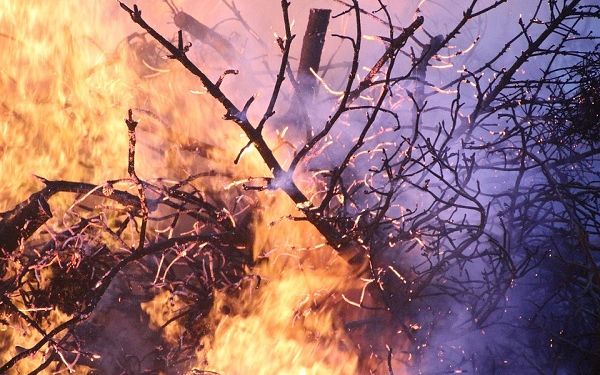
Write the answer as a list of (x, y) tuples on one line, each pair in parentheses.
[(69, 74)]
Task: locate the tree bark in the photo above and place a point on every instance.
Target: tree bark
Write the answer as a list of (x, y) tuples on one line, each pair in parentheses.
[(23, 221), (312, 48)]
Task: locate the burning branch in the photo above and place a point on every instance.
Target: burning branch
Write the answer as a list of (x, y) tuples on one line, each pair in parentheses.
[(131, 125), (220, 245), (466, 202), (26, 218), (282, 179)]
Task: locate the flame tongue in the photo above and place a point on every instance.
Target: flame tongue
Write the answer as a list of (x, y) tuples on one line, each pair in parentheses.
[(291, 322), (284, 330), (69, 95)]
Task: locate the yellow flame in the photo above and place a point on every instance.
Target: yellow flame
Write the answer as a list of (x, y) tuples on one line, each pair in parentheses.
[(291, 323), (69, 75)]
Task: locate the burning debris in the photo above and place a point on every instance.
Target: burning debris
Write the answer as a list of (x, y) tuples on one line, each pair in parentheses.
[(409, 197)]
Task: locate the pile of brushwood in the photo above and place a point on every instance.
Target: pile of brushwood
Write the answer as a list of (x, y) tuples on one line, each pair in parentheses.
[(475, 224)]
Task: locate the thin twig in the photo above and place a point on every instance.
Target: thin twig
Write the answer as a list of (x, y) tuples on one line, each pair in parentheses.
[(131, 125)]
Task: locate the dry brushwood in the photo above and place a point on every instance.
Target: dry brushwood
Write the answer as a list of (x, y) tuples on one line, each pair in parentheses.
[(442, 154), (27, 217), (83, 267), (468, 201)]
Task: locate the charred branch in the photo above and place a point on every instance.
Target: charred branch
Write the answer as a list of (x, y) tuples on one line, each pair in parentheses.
[(27, 217), (17, 225), (395, 45), (312, 48), (282, 179)]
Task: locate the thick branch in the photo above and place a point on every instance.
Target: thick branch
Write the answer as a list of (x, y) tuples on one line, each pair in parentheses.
[(312, 48), (28, 216), (395, 45), (353, 253)]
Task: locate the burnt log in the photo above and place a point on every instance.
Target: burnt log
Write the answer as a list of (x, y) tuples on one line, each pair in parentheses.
[(28, 216), (20, 223), (312, 49)]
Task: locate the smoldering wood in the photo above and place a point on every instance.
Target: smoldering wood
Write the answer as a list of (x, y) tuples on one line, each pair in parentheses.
[(305, 83), (312, 49), (19, 224), (28, 216), (207, 35)]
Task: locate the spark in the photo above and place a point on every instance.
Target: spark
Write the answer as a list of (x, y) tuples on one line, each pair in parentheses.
[(325, 85), (235, 183), (350, 302), (469, 48), (246, 150), (37, 309), (397, 274), (442, 91), (445, 66), (157, 70), (420, 241)]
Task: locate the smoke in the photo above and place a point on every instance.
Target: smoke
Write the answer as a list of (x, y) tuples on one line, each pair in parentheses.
[(477, 256), (463, 269), (466, 222)]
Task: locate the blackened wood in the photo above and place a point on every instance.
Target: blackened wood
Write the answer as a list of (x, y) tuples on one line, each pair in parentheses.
[(23, 221), (28, 216), (395, 45), (207, 35), (128, 200), (421, 63), (312, 48)]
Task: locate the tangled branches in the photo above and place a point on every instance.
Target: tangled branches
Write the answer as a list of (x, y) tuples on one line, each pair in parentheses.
[(467, 200)]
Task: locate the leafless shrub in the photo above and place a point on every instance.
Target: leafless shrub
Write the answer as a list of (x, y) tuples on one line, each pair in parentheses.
[(469, 199)]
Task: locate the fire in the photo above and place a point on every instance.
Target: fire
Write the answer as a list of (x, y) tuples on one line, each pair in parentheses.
[(291, 323), (201, 206), (60, 98), (69, 74)]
